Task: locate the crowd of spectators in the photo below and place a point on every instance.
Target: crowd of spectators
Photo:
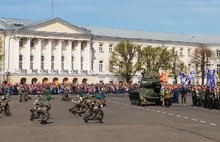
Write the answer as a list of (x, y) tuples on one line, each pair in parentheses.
[(111, 88)]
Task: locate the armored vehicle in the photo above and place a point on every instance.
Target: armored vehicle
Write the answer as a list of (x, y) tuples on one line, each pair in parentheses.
[(148, 91)]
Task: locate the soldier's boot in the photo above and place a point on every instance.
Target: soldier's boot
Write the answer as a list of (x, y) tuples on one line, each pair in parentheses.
[(100, 120), (85, 119), (20, 99), (33, 114), (32, 117), (45, 118)]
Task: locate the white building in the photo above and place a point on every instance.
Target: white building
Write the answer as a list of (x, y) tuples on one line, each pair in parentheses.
[(56, 50)]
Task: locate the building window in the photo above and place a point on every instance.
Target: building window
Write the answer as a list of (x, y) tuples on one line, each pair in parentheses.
[(189, 66), (42, 62), (20, 61), (218, 53), (181, 51), (197, 67), (21, 42), (82, 46), (31, 62), (32, 43), (218, 69), (72, 46), (52, 62), (72, 62), (100, 47), (100, 66), (92, 65), (62, 62), (189, 52), (81, 63), (208, 65), (110, 47)]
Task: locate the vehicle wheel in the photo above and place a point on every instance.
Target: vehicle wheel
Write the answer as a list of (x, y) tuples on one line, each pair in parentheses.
[(157, 102)]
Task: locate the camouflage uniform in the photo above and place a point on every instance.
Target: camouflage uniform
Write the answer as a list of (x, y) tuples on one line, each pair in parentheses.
[(95, 112), (42, 107)]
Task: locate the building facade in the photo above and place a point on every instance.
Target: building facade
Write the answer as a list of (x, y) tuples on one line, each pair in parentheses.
[(55, 50)]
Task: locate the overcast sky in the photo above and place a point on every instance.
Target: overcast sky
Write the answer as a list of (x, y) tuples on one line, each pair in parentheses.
[(176, 16)]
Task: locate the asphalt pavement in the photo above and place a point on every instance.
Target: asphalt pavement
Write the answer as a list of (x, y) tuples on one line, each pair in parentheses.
[(122, 123)]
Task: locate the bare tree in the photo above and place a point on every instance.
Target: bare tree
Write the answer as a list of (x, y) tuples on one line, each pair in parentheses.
[(176, 65), (201, 57)]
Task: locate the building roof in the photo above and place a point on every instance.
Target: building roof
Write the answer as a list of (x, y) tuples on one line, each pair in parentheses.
[(138, 34), (12, 23)]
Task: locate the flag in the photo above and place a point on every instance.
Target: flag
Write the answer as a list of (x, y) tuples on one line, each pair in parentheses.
[(208, 73), (212, 79)]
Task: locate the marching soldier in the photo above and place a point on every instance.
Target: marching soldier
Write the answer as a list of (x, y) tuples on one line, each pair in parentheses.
[(42, 107)]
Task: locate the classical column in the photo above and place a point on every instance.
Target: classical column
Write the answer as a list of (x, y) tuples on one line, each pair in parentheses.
[(89, 57), (27, 55), (78, 56), (16, 54), (38, 54), (59, 54), (69, 56), (49, 50), (106, 61), (96, 62)]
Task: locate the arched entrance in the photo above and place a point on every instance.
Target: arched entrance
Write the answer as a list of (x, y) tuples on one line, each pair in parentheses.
[(75, 80), (34, 80), (23, 80), (84, 80), (55, 81), (45, 80), (65, 80)]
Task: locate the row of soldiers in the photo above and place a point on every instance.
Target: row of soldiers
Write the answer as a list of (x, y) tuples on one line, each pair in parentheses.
[(90, 105), (205, 96)]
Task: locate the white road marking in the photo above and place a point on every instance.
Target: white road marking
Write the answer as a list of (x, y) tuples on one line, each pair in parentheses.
[(202, 121), (186, 117), (213, 124), (193, 119)]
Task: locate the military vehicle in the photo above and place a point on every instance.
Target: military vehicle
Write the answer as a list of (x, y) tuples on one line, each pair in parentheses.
[(149, 90)]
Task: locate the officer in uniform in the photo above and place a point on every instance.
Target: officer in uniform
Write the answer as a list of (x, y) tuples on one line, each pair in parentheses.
[(207, 97), (211, 99), (194, 96)]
